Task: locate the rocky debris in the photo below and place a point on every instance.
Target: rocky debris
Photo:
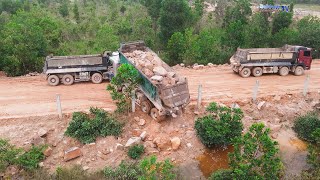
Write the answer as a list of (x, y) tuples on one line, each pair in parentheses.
[(41, 164), (175, 143), (85, 168), (32, 74), (47, 152), (235, 106), (143, 135), (42, 133), (12, 170), (105, 151), (157, 78), (182, 65), (261, 104), (153, 67), (161, 143), (160, 71), (189, 145), (274, 135), (119, 146), (72, 153), (142, 122), (136, 119), (37, 141), (210, 65), (133, 141)]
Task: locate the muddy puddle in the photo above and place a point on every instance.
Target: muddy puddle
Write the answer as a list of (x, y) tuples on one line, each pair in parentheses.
[(300, 145), (214, 159)]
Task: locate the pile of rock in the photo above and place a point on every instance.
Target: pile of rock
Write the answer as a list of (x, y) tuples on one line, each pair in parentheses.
[(154, 68)]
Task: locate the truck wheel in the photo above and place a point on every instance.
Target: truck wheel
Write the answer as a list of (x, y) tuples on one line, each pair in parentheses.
[(53, 80), (146, 107), (156, 116), (67, 79), (245, 72), (96, 78), (257, 71), (299, 71), (284, 71)]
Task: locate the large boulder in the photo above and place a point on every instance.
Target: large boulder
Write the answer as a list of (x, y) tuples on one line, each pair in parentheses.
[(157, 78), (133, 141), (159, 70), (175, 143)]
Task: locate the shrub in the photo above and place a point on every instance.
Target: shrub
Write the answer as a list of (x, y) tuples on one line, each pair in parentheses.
[(136, 151), (305, 125), (30, 160), (8, 154), (224, 174), (126, 76), (123, 171), (87, 127), (255, 155), (220, 126), (148, 168)]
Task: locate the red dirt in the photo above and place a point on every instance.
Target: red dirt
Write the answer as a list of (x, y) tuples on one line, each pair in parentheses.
[(32, 96)]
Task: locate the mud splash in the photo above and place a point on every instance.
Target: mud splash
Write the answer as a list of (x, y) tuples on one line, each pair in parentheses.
[(214, 159)]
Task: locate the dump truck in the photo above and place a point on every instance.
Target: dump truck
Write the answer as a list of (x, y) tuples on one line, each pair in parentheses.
[(161, 92), (295, 59), (70, 69)]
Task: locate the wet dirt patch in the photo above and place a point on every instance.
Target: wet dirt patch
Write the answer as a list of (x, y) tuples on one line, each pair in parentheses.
[(214, 159)]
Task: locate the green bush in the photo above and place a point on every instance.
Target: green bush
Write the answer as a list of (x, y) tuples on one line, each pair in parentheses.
[(8, 154), (147, 169), (124, 171), (30, 160), (305, 125), (224, 174), (220, 126), (136, 151), (87, 127), (129, 77)]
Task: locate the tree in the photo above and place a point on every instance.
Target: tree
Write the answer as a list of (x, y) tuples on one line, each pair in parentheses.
[(198, 5), (309, 32), (175, 16), (153, 11), (176, 48), (255, 155), (106, 39), (63, 9), (127, 79), (27, 38), (285, 36), (257, 32), (235, 35), (239, 12), (281, 20), (76, 12)]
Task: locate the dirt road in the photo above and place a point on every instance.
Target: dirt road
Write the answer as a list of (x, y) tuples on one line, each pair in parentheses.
[(31, 96)]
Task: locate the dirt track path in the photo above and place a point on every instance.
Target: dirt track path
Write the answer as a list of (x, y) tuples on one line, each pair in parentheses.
[(31, 96)]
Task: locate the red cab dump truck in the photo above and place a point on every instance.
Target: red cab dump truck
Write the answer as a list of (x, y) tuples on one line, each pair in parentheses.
[(295, 59)]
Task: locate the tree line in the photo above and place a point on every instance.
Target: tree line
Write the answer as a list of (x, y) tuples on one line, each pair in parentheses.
[(181, 31)]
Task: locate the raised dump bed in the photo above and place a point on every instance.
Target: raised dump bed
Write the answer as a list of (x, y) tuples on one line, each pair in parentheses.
[(162, 91)]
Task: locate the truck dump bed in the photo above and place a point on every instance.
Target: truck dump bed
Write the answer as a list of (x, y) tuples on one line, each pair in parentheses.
[(82, 60), (284, 54), (159, 80)]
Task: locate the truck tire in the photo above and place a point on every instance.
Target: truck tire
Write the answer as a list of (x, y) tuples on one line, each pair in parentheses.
[(299, 71), (96, 78), (146, 106), (156, 116), (67, 79), (284, 71), (257, 71), (245, 72), (53, 80)]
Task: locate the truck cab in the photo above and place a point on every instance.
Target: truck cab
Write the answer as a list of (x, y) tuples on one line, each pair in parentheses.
[(305, 57)]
